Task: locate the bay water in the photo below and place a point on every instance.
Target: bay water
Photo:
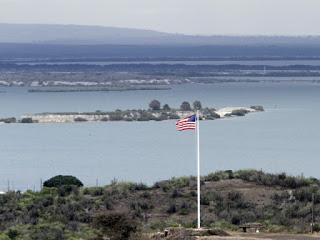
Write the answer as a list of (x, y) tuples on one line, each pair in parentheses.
[(283, 138)]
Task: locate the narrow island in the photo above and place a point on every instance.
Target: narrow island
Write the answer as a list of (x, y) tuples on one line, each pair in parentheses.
[(156, 112)]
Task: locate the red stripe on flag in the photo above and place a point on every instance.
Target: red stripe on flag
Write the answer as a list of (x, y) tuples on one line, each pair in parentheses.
[(185, 124)]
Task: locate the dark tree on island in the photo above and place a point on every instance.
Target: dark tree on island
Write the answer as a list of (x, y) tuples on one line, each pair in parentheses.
[(197, 105), (155, 105), (166, 107), (185, 106)]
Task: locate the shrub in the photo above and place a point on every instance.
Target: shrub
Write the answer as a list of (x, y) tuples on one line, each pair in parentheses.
[(223, 224), (176, 194), (146, 195), (279, 198), (220, 175), (117, 226), (193, 193), (175, 182), (236, 218), (212, 196), (303, 194), (172, 209), (12, 233), (47, 232), (61, 180), (245, 174), (4, 237), (316, 227), (139, 187)]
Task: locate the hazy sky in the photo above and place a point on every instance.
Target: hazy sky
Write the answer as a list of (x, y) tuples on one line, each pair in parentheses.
[(263, 17)]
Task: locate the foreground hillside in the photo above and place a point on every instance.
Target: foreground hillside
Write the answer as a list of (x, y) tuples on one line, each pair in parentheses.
[(122, 210)]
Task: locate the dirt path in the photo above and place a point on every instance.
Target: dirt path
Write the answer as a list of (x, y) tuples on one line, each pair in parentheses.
[(263, 236)]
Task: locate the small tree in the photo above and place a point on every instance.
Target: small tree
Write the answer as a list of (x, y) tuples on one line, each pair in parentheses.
[(197, 105), (60, 180), (185, 106), (155, 105), (166, 107)]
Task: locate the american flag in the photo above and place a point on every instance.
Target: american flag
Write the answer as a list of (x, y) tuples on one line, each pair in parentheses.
[(187, 123)]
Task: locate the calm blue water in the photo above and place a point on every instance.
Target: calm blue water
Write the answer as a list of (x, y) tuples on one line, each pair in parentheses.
[(284, 138)]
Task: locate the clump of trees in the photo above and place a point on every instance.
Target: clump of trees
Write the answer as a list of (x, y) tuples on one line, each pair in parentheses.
[(61, 180), (155, 105)]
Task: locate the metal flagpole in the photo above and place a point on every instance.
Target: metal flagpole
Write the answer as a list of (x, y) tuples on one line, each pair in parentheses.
[(198, 167)]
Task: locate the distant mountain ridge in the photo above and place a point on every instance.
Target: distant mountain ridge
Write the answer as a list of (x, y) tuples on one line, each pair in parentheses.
[(95, 35)]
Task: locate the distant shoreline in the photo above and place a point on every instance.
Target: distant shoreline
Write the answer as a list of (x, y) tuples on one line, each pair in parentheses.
[(97, 89)]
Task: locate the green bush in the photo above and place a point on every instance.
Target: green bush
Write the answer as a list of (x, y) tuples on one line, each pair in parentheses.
[(175, 193), (47, 232), (4, 237), (117, 226), (61, 180), (172, 209), (220, 175), (316, 227), (12, 233)]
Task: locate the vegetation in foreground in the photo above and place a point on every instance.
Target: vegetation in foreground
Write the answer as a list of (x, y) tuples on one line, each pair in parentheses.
[(64, 209)]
